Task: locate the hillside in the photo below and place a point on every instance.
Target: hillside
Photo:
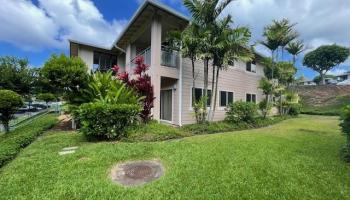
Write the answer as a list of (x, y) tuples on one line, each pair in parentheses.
[(325, 100)]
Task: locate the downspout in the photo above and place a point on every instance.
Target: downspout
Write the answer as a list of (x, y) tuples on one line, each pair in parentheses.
[(180, 87)]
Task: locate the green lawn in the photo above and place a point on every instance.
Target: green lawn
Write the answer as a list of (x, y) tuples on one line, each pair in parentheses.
[(295, 159)]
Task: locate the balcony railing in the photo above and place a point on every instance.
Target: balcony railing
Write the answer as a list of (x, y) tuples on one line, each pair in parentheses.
[(169, 58)]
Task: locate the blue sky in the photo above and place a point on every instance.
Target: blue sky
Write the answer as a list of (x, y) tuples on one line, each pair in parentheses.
[(35, 29)]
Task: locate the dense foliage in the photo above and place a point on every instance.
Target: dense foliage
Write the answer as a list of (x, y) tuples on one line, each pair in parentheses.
[(10, 144), (318, 79), (16, 75), (10, 102), (103, 87), (325, 58), (142, 85), (62, 75), (240, 111), (47, 97), (346, 130), (100, 120), (226, 126), (200, 110)]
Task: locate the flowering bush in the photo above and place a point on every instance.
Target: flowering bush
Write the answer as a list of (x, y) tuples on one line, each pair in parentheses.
[(142, 85)]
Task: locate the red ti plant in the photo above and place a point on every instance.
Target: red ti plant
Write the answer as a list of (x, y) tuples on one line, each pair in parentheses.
[(141, 83)]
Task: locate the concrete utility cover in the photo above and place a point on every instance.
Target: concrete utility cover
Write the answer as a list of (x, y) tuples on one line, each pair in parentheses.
[(136, 173)]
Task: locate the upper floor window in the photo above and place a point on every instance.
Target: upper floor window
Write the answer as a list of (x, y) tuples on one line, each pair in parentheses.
[(198, 93), (250, 98), (103, 61), (225, 98), (251, 66), (231, 63)]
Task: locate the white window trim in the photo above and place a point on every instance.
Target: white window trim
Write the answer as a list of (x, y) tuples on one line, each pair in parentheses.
[(256, 96), (227, 91), (191, 107)]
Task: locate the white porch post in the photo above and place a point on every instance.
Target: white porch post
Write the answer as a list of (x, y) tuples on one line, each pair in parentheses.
[(156, 42), (128, 58)]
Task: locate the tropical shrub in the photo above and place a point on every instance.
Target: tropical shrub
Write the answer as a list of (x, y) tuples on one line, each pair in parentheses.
[(290, 104), (10, 144), (345, 125), (240, 111), (10, 102), (294, 109), (200, 110), (142, 85), (226, 126), (106, 88), (265, 107), (101, 120)]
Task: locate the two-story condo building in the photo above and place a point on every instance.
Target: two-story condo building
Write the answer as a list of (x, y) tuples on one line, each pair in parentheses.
[(171, 74)]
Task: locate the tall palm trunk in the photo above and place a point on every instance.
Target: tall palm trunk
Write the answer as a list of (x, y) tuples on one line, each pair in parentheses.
[(212, 92), (193, 81), (272, 68), (194, 86), (215, 94), (206, 71)]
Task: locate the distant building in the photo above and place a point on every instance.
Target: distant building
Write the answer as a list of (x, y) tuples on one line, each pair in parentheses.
[(304, 81), (344, 79)]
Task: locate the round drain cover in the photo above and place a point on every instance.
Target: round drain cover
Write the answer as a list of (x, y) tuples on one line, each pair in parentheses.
[(136, 173)]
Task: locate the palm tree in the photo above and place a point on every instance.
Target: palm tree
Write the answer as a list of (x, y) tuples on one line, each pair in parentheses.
[(188, 42), (229, 44), (271, 42), (205, 14), (286, 32), (295, 48)]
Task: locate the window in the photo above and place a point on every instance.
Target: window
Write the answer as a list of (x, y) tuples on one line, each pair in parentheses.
[(225, 98), (198, 93), (251, 98), (231, 63), (251, 66), (104, 61)]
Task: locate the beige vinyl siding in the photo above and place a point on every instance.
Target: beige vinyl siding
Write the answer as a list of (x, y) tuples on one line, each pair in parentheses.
[(235, 79)]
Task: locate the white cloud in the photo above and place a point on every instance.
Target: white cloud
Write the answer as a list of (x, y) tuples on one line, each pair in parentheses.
[(50, 24), (318, 21), (337, 71)]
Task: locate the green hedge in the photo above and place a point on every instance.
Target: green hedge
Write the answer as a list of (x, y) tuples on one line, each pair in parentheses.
[(240, 111), (225, 126), (11, 143), (107, 121)]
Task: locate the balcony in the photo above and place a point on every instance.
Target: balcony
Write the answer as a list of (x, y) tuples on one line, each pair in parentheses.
[(169, 58)]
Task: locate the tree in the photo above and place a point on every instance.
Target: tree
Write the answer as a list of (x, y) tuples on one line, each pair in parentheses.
[(16, 75), (267, 88), (318, 79), (64, 76), (286, 32), (188, 42), (205, 14), (47, 97), (295, 48), (10, 102), (325, 58), (229, 44)]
